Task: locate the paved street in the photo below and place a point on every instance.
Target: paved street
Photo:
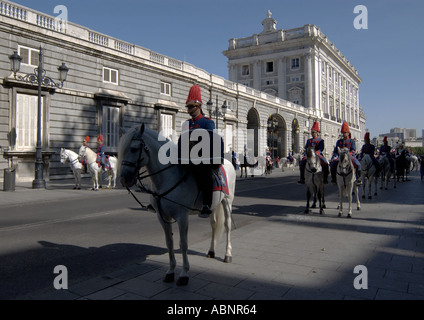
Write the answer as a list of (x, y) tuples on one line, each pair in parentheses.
[(279, 253)]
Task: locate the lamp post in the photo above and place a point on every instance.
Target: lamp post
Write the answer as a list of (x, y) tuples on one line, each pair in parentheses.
[(272, 124), (38, 77), (216, 112)]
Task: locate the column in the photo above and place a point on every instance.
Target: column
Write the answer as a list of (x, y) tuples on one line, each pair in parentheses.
[(282, 92), (257, 74), (308, 80)]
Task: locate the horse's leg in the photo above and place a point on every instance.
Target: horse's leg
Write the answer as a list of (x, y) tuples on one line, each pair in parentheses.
[(375, 185), (167, 228), (340, 201), (308, 196), (216, 226), (227, 224), (349, 199), (183, 228), (358, 204)]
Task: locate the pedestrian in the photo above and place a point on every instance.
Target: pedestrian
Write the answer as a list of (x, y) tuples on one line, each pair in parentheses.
[(345, 142), (202, 169), (317, 143), (277, 162)]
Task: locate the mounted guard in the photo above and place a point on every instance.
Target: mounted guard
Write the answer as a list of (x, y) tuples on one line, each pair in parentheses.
[(102, 159), (369, 149), (345, 142), (317, 143), (202, 163)]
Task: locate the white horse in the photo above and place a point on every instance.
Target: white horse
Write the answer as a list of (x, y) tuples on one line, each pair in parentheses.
[(414, 163), (346, 181), (386, 172), (96, 170), (314, 180), (76, 165), (174, 193), (368, 175)]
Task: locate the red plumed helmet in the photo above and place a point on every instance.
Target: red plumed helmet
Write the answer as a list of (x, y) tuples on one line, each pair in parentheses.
[(367, 136), (100, 138), (194, 96), (315, 126), (345, 127), (385, 139), (87, 139)]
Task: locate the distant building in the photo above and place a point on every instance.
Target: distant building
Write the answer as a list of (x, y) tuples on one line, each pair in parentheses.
[(302, 66)]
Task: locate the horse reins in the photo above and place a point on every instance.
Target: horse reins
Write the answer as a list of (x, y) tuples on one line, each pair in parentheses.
[(141, 177)]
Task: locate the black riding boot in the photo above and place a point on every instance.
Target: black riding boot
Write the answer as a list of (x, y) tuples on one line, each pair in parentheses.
[(302, 175), (325, 171), (358, 177), (333, 175)]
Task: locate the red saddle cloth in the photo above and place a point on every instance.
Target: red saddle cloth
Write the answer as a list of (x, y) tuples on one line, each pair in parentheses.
[(220, 181)]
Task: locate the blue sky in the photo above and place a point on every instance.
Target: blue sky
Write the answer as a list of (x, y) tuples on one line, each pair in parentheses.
[(388, 55)]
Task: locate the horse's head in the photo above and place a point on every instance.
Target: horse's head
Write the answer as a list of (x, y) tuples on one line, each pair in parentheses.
[(62, 155), (132, 155), (312, 159), (345, 162)]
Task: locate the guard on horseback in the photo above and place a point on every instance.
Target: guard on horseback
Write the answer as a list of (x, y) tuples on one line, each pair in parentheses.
[(101, 157), (203, 170), (369, 149), (345, 142), (317, 143), (386, 150), (84, 160)]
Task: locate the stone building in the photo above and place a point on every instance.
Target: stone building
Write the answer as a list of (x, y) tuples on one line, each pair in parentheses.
[(302, 66), (112, 84)]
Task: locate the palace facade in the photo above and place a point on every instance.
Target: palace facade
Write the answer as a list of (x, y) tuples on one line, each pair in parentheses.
[(113, 84)]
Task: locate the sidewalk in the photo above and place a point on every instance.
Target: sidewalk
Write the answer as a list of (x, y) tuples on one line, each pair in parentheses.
[(287, 255)]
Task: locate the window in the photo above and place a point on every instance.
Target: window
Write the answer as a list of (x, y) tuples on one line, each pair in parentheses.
[(26, 121), (295, 63), (165, 88), (269, 82), (270, 66), (167, 125), (111, 127), (295, 79), (29, 56), (245, 70), (110, 75)]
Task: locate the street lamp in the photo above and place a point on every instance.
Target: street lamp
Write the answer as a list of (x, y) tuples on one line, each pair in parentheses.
[(272, 124), (38, 77), (216, 112)]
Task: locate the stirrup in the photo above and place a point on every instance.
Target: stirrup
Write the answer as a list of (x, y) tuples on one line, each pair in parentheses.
[(206, 212)]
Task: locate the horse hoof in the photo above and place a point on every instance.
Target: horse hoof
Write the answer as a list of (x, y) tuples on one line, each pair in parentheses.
[(169, 278), (322, 212), (369, 197), (211, 254), (182, 281), (306, 211), (349, 216), (359, 209), (340, 214), (228, 259), (314, 206), (74, 188), (324, 206)]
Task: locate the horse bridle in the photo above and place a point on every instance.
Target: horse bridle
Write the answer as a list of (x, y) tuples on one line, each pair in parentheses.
[(67, 157), (139, 176), (344, 175)]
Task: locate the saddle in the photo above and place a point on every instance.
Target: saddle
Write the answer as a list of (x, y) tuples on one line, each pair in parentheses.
[(220, 180), (105, 161)]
